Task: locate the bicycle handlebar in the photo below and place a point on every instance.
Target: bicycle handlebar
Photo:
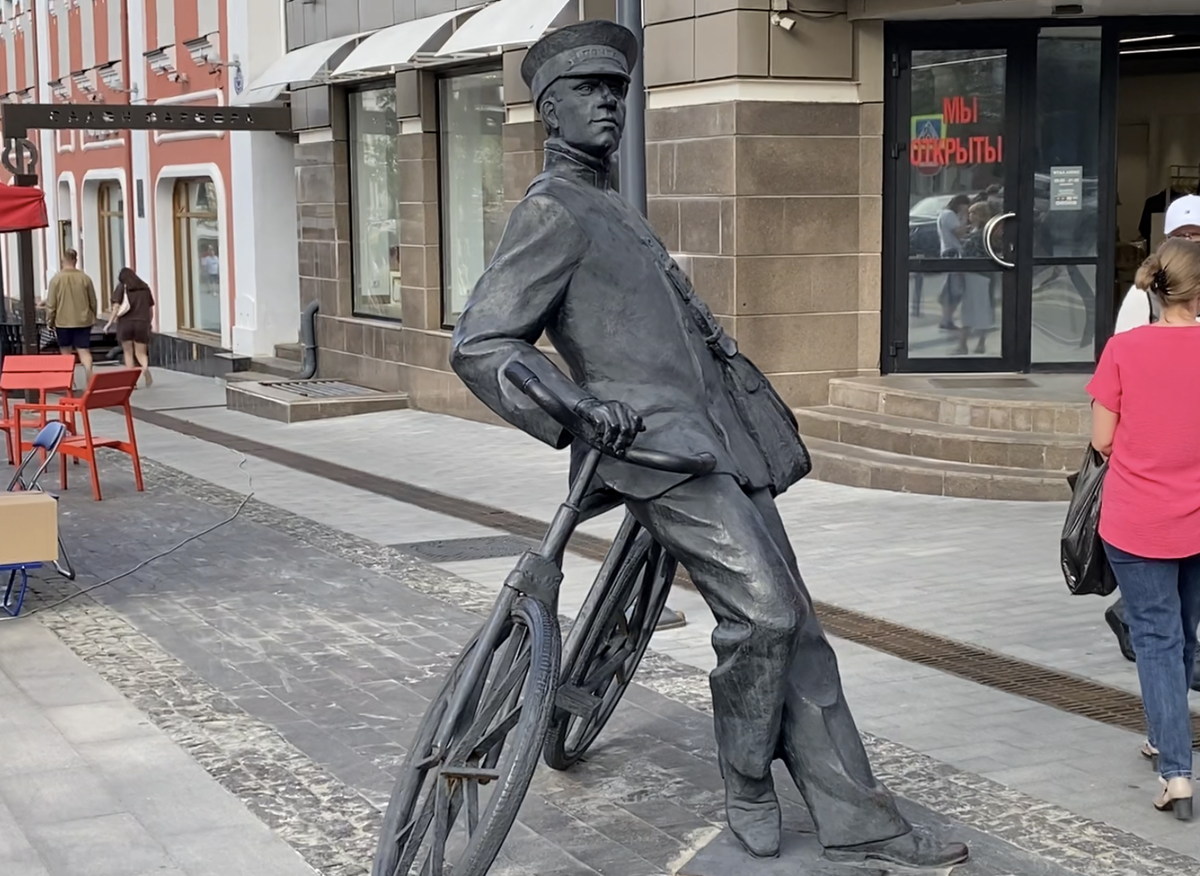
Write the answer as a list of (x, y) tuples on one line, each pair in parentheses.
[(524, 379)]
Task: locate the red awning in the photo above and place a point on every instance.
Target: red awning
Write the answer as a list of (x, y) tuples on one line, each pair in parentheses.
[(22, 208)]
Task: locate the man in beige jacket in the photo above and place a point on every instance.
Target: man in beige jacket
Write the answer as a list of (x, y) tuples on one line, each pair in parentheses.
[(71, 310)]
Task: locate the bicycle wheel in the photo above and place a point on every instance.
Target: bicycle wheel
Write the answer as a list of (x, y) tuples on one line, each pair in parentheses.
[(597, 671), (451, 809)]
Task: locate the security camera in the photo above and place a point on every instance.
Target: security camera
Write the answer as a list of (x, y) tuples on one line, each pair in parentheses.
[(784, 21)]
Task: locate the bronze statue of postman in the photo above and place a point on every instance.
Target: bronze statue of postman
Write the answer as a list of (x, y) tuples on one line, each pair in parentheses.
[(645, 355)]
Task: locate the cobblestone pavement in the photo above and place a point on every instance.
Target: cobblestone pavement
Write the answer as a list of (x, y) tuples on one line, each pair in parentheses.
[(981, 572), (291, 662)]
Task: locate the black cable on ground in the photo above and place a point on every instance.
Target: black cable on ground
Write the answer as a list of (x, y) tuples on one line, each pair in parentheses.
[(144, 563)]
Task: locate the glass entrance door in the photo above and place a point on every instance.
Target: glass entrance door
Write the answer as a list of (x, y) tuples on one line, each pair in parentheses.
[(1061, 246), (954, 191), (993, 256)]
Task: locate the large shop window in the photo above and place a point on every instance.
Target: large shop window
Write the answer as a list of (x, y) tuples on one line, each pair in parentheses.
[(110, 209), (472, 124), (374, 196), (197, 255)]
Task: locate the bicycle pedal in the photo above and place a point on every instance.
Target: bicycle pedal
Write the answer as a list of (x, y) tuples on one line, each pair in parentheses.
[(577, 701)]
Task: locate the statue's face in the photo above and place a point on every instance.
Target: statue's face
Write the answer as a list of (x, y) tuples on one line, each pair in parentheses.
[(587, 113)]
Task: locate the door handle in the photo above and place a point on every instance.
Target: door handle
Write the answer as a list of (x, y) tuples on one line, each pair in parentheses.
[(987, 238)]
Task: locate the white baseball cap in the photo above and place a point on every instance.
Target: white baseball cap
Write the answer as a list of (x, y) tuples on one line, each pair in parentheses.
[(1183, 213)]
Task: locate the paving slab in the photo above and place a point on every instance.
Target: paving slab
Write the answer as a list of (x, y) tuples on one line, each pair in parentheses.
[(352, 637), (95, 789), (947, 566)]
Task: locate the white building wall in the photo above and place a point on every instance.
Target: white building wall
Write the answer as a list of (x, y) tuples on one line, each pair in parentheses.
[(143, 221), (262, 198)]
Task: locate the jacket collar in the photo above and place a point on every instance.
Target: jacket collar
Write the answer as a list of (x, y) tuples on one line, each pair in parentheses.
[(567, 161)]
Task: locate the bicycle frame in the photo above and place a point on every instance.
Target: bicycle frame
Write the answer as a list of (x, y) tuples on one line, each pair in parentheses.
[(538, 574)]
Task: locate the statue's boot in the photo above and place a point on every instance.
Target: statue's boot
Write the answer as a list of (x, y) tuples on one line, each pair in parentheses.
[(913, 849), (753, 812)]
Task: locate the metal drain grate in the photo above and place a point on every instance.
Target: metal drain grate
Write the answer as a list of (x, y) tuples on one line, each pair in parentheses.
[(323, 388), (1070, 693), (453, 550), (981, 382)]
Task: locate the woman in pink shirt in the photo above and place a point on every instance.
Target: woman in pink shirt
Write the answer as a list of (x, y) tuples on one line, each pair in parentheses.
[(1146, 419)]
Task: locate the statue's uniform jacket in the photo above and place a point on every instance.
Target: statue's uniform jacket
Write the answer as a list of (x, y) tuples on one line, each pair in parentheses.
[(593, 275)]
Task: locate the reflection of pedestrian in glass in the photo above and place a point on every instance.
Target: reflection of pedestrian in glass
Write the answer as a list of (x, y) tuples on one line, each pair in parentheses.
[(994, 195), (978, 309), (210, 269), (952, 228), (1146, 420)]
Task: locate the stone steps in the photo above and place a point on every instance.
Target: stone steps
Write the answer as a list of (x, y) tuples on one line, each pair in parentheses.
[(951, 409), (1001, 437), (291, 352), (921, 438), (879, 470), (266, 368)]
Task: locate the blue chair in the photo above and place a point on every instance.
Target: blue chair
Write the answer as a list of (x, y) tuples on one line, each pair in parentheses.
[(45, 445)]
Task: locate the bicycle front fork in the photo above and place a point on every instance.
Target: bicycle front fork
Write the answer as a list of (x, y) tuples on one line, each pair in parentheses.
[(538, 575)]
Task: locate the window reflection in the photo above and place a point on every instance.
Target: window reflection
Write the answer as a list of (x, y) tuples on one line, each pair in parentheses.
[(1066, 202), (956, 147), (375, 196), (198, 255), (1064, 313), (1066, 194), (472, 110)]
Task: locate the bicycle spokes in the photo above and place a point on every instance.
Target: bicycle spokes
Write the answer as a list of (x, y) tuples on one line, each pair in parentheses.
[(463, 781)]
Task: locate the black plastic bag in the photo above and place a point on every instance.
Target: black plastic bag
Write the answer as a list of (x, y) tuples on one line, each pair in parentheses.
[(1084, 563)]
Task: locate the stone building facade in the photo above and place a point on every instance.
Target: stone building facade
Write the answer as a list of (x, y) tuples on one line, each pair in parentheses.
[(763, 175), (802, 160)]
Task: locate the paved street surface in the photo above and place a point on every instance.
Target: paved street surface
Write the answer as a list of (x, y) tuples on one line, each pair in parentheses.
[(273, 669)]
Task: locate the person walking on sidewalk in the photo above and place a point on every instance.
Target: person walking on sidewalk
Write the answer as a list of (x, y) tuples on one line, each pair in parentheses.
[(578, 262), (133, 312), (71, 310), (1146, 420), (1141, 307)]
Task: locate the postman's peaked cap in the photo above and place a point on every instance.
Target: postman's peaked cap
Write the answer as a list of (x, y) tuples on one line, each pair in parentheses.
[(590, 48)]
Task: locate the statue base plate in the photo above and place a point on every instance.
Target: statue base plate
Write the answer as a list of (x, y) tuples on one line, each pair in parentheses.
[(802, 855), (799, 855)]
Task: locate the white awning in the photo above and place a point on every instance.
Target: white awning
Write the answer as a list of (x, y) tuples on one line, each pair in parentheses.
[(505, 24), (299, 65), (397, 45)]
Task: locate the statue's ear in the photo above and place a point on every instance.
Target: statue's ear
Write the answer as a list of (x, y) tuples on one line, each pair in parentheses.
[(550, 113)]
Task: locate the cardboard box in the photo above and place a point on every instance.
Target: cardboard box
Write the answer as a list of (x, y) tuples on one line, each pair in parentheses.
[(28, 528)]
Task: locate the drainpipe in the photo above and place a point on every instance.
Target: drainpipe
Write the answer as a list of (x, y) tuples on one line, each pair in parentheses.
[(308, 338), (631, 158)]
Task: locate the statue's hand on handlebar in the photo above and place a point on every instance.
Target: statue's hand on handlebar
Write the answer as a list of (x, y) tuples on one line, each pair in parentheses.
[(615, 422)]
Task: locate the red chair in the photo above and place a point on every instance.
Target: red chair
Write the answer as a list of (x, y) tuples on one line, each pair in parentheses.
[(107, 389), (41, 374)]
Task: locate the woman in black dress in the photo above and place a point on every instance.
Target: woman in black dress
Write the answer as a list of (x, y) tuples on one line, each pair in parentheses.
[(133, 311)]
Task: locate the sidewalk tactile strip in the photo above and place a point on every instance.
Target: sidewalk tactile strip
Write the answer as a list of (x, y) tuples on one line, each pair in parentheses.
[(452, 550), (1060, 690)]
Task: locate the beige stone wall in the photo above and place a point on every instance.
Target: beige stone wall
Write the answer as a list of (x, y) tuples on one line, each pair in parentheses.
[(765, 166), (775, 210)]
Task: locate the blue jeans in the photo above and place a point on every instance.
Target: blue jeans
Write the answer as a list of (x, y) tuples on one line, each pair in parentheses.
[(1162, 608)]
